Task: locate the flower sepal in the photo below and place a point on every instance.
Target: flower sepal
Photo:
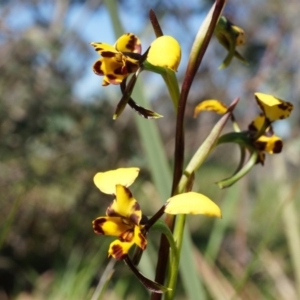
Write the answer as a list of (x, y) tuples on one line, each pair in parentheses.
[(192, 203), (151, 285)]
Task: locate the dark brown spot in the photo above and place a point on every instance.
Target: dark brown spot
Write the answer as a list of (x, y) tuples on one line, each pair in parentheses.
[(108, 54), (285, 106), (117, 252), (97, 68), (98, 49), (111, 77), (97, 225), (132, 42), (278, 146)]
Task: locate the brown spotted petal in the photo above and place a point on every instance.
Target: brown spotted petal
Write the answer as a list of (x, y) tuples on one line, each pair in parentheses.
[(120, 248), (271, 144), (113, 226), (273, 108), (111, 70), (125, 205), (128, 42)]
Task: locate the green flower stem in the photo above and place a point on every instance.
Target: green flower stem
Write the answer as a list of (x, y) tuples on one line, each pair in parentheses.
[(174, 265), (197, 52), (206, 148), (170, 79)]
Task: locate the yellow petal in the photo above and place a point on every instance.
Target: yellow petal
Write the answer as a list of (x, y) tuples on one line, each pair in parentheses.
[(271, 144), (165, 52), (106, 181), (128, 43), (118, 249), (273, 108), (125, 205), (192, 203), (139, 238), (103, 47), (113, 226), (211, 105)]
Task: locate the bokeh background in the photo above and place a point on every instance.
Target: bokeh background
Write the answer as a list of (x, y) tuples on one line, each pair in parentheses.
[(56, 132)]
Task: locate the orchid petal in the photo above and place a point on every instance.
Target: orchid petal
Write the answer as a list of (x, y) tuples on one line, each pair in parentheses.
[(272, 107), (211, 105), (271, 144), (192, 203), (125, 205), (113, 226), (106, 181), (119, 249), (128, 42)]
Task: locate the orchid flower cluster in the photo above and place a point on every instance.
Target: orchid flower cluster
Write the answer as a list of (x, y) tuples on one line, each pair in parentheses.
[(124, 218)]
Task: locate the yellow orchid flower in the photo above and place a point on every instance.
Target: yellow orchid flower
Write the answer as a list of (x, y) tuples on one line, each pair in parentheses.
[(117, 61), (122, 219), (123, 215)]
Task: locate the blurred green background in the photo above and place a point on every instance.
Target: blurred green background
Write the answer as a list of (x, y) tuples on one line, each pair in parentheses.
[(56, 132)]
